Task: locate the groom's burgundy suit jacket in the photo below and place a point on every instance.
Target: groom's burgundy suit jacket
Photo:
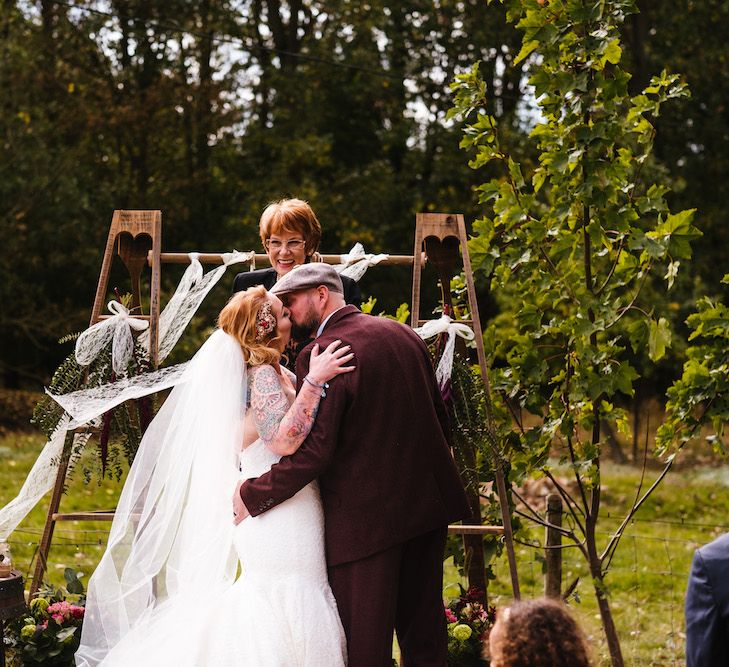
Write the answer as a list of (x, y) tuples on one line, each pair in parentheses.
[(379, 445)]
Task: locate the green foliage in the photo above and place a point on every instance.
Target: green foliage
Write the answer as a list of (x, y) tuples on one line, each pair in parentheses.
[(402, 314), (700, 397), (571, 242), (692, 139), (185, 107), (121, 428), (473, 449)]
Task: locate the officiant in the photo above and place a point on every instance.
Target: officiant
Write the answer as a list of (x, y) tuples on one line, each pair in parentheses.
[(290, 233)]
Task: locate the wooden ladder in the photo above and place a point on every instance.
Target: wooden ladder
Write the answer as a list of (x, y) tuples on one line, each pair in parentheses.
[(441, 238), (133, 236)]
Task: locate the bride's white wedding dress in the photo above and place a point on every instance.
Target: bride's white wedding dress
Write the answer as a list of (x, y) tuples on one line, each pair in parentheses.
[(279, 612)]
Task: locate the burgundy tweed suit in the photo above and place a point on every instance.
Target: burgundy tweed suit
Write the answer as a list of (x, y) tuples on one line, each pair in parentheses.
[(389, 487)]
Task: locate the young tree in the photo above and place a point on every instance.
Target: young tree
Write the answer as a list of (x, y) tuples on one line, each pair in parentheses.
[(569, 249)]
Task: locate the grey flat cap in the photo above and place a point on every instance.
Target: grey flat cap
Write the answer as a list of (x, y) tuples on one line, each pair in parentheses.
[(309, 276)]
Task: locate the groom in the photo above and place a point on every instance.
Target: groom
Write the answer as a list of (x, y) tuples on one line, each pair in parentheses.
[(388, 483)]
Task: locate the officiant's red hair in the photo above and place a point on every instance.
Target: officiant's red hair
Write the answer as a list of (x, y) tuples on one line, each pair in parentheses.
[(293, 216), (239, 319)]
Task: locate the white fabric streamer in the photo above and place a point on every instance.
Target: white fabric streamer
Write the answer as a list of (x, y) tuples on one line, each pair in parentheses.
[(40, 479), (356, 262), (81, 407), (118, 329), (445, 325), (86, 404), (193, 288)]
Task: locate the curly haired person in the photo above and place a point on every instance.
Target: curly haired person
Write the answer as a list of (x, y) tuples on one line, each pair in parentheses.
[(537, 633)]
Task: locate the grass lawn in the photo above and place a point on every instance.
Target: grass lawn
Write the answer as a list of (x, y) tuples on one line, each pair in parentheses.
[(76, 544), (648, 575)]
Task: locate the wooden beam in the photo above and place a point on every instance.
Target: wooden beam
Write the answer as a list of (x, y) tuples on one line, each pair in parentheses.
[(475, 530), (217, 258)]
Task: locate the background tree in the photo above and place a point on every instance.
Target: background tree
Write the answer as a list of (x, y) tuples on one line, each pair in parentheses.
[(692, 141)]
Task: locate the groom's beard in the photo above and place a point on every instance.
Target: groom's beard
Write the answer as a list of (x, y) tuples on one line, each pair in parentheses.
[(304, 330)]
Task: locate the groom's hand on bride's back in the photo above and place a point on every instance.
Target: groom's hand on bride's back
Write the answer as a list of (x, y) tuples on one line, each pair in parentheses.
[(240, 511)]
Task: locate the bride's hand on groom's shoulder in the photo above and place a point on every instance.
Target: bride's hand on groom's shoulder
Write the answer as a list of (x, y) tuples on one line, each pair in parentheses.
[(240, 511), (327, 364)]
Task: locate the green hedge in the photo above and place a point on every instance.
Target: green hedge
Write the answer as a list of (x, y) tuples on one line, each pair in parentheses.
[(16, 408)]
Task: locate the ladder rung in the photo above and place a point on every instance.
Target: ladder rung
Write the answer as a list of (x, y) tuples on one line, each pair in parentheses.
[(101, 515), (475, 530), (87, 429)]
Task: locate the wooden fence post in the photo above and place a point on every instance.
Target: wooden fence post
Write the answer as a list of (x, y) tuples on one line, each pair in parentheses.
[(553, 575)]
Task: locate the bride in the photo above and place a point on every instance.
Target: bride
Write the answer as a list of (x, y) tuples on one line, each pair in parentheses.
[(179, 584)]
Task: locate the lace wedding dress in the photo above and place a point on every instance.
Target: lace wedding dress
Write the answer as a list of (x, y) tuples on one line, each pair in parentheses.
[(279, 612)]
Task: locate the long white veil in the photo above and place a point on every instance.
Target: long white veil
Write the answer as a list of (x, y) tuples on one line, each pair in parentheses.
[(171, 537)]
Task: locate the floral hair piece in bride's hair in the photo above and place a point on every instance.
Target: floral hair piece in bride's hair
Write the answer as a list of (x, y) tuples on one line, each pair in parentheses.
[(265, 322)]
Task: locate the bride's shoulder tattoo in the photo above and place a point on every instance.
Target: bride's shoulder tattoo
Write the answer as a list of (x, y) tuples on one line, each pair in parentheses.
[(268, 401)]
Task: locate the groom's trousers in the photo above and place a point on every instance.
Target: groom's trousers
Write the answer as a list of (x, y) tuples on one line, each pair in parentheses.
[(399, 588)]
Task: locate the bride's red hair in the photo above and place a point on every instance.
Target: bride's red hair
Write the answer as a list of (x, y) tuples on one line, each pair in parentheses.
[(239, 318)]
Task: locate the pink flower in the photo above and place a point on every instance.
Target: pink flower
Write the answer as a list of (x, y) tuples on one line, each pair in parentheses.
[(62, 607), (76, 611), (450, 616), (58, 618)]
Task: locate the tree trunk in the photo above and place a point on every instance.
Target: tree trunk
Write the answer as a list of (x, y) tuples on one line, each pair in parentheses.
[(203, 125), (608, 624), (606, 616), (636, 37)]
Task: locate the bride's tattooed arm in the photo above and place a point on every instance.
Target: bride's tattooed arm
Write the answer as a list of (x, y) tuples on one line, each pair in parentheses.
[(282, 427)]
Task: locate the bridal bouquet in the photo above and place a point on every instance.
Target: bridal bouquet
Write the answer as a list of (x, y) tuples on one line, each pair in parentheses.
[(469, 623), (49, 633)]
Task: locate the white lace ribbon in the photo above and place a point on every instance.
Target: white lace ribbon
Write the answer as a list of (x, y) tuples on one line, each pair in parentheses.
[(356, 262), (86, 404), (445, 325), (118, 329), (192, 289), (82, 407)]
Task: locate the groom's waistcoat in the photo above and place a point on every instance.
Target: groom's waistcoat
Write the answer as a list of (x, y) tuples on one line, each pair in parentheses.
[(378, 446)]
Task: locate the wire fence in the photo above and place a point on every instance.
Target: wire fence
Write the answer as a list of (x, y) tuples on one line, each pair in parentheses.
[(646, 585)]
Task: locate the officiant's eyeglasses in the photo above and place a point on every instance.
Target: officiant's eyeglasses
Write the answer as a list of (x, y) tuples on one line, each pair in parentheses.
[(276, 244)]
